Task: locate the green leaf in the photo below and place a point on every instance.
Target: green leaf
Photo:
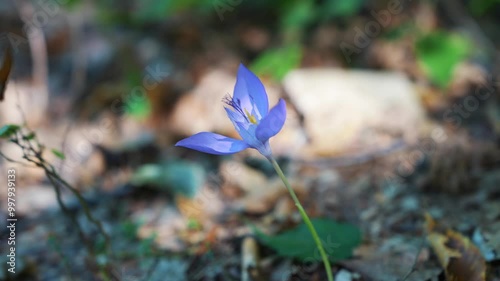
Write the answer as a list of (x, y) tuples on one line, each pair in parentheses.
[(138, 107), (193, 224), (152, 10), (30, 136), (58, 154), (179, 177), (149, 174), (158, 10), (129, 229), (439, 53), (298, 14), (341, 8), (277, 62), (8, 130), (339, 240)]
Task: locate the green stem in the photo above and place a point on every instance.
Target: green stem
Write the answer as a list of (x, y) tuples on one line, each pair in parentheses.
[(306, 219)]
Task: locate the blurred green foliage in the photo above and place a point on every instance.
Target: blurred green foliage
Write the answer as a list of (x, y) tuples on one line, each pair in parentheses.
[(340, 8), (297, 14), (481, 7), (293, 17), (129, 229), (157, 10), (138, 107), (440, 52), (300, 13), (137, 103), (276, 63)]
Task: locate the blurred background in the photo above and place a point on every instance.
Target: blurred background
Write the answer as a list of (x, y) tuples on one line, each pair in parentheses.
[(393, 112)]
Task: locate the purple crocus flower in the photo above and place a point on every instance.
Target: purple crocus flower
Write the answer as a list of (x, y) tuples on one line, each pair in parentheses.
[(248, 109)]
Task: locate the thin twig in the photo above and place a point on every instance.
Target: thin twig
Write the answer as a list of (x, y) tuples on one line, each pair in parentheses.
[(33, 153), (83, 203), (15, 161), (71, 215), (64, 142)]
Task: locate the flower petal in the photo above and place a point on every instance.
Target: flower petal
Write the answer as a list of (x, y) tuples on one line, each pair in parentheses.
[(243, 128), (251, 93), (247, 132), (272, 123), (234, 116), (213, 143)]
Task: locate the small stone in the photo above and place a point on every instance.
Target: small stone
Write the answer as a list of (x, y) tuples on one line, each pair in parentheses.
[(354, 111)]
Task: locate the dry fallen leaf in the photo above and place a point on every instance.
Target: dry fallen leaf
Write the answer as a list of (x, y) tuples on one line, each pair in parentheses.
[(5, 71), (461, 259), (260, 194), (205, 205)]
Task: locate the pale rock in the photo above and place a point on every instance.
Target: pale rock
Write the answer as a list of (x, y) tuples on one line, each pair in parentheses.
[(25, 102), (35, 199), (349, 112)]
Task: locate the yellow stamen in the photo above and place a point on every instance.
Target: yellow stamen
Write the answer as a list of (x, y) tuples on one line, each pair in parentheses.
[(250, 117)]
